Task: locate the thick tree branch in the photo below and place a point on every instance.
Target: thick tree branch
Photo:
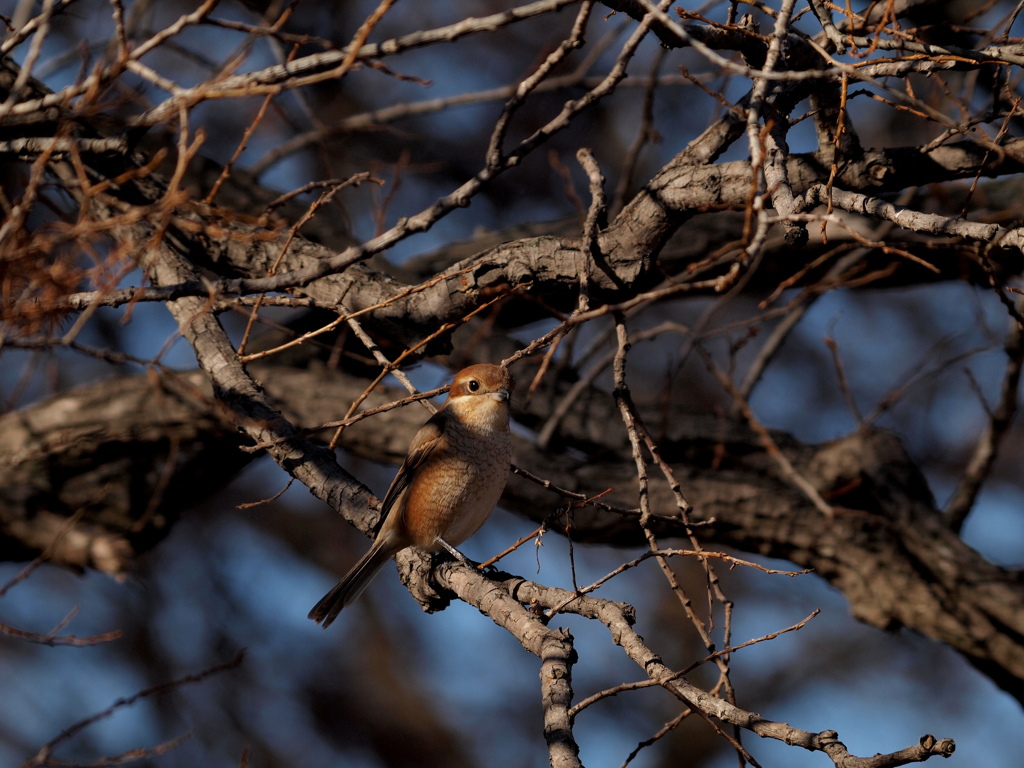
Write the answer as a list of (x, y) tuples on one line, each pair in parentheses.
[(899, 564)]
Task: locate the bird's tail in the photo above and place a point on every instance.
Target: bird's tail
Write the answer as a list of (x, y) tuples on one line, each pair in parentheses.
[(353, 583)]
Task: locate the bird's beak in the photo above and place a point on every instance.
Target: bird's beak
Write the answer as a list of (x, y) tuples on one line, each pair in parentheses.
[(502, 394)]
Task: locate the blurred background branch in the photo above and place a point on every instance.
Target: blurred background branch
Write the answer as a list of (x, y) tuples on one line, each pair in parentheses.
[(795, 333)]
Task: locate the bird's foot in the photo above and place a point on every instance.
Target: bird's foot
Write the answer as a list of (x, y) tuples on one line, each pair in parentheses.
[(455, 553)]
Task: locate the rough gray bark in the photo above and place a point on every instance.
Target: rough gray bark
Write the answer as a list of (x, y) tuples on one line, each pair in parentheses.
[(121, 459), (887, 548)]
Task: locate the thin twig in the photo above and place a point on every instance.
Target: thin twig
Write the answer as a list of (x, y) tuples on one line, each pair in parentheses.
[(44, 756), (985, 452), (786, 468)]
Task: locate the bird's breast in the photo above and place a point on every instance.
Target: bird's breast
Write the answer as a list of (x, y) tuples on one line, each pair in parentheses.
[(455, 491)]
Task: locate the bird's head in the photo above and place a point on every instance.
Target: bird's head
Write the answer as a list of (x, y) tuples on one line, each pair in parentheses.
[(490, 382), (479, 397)]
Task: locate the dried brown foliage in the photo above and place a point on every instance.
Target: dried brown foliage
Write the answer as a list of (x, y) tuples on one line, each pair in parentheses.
[(322, 198)]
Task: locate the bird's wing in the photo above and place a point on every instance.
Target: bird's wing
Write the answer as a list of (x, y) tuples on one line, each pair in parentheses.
[(423, 444)]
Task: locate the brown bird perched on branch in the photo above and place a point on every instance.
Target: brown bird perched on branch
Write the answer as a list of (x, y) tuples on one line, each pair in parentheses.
[(448, 484)]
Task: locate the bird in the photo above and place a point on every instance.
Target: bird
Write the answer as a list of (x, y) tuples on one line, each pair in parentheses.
[(450, 481)]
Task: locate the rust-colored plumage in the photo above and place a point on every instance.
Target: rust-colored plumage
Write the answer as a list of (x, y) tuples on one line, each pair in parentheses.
[(448, 485)]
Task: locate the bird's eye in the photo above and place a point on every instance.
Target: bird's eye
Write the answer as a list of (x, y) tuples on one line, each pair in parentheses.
[(473, 385)]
